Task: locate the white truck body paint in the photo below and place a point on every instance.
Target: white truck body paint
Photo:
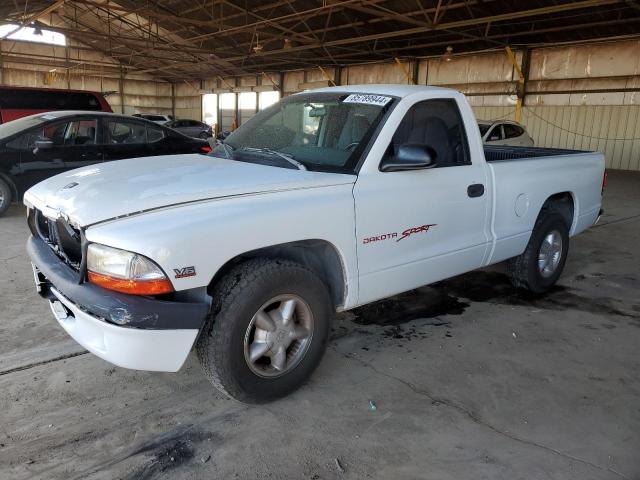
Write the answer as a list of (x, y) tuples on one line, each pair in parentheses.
[(200, 211), (539, 178)]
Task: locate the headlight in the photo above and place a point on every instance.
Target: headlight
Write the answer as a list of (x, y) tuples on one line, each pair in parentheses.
[(125, 272)]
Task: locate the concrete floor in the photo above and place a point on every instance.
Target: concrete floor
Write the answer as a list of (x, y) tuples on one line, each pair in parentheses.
[(470, 378)]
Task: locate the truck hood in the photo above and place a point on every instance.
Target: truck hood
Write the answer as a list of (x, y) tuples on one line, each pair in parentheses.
[(110, 190)]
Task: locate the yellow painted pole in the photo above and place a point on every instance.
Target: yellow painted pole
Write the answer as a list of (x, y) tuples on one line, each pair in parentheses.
[(226, 83), (327, 77), (270, 78), (405, 71), (516, 66)]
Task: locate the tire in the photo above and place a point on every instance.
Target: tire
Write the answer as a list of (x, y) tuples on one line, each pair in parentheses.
[(525, 270), (5, 196), (226, 344)]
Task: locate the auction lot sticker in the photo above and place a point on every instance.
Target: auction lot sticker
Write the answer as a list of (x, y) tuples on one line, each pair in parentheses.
[(367, 99)]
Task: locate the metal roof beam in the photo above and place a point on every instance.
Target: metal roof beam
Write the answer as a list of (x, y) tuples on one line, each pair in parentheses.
[(444, 26)]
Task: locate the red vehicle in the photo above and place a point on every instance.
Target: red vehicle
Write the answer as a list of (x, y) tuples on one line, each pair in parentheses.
[(18, 102)]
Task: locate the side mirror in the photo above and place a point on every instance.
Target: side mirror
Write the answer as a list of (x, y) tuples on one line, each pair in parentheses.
[(410, 156), (43, 144), (223, 135)]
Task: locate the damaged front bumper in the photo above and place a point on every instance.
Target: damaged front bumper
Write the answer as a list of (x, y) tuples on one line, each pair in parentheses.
[(141, 333)]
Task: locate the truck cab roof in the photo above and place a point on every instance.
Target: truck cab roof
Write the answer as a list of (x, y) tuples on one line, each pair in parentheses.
[(385, 89)]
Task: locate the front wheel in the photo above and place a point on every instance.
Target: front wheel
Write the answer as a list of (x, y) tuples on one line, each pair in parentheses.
[(269, 329), (541, 264)]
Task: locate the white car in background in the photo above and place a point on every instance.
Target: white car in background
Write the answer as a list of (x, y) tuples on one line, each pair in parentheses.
[(504, 132)]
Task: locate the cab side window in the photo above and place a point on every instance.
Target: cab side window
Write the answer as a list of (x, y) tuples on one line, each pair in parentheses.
[(437, 124)]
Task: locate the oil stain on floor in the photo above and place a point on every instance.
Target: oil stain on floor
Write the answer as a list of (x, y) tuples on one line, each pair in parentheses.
[(425, 302), (452, 297), (169, 451)]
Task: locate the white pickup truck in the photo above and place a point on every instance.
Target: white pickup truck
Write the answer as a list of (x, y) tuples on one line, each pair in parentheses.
[(328, 200)]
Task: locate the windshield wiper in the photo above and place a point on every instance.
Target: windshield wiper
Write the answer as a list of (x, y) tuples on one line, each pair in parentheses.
[(284, 156)]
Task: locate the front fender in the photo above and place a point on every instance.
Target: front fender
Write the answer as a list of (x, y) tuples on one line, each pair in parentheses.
[(205, 235)]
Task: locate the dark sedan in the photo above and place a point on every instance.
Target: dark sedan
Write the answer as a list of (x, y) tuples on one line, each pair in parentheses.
[(191, 128), (39, 146)]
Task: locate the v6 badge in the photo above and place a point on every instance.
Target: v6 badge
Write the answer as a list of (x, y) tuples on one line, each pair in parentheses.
[(185, 272)]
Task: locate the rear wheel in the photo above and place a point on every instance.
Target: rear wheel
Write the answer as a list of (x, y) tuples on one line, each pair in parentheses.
[(5, 196), (541, 264), (269, 330)]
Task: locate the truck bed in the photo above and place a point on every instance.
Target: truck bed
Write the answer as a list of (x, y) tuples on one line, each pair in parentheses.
[(522, 186), (501, 153)]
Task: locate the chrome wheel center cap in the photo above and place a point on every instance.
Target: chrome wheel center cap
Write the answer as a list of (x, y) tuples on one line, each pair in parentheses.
[(278, 336)]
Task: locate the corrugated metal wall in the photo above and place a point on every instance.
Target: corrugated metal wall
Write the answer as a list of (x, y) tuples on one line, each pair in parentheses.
[(612, 129), (79, 67), (188, 101)]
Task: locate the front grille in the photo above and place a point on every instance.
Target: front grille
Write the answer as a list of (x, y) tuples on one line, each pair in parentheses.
[(62, 238)]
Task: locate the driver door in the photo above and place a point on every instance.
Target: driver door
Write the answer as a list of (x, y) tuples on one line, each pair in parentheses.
[(419, 226)]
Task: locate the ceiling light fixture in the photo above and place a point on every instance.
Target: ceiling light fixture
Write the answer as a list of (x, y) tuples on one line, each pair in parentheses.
[(448, 55), (258, 47)]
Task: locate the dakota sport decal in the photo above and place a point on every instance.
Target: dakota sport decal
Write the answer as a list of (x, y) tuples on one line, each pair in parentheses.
[(399, 236)]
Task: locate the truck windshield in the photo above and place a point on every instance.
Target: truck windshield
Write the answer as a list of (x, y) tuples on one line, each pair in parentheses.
[(322, 131)]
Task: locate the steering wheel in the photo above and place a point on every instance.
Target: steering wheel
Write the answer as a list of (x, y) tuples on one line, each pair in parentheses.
[(351, 146)]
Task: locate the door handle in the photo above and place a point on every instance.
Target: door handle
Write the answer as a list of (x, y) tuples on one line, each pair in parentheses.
[(475, 190)]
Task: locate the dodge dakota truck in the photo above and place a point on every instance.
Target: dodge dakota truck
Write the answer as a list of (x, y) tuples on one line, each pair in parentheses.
[(325, 201)]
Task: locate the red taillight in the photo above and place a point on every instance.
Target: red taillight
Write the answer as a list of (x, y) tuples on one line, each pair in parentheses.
[(205, 149), (604, 182)]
